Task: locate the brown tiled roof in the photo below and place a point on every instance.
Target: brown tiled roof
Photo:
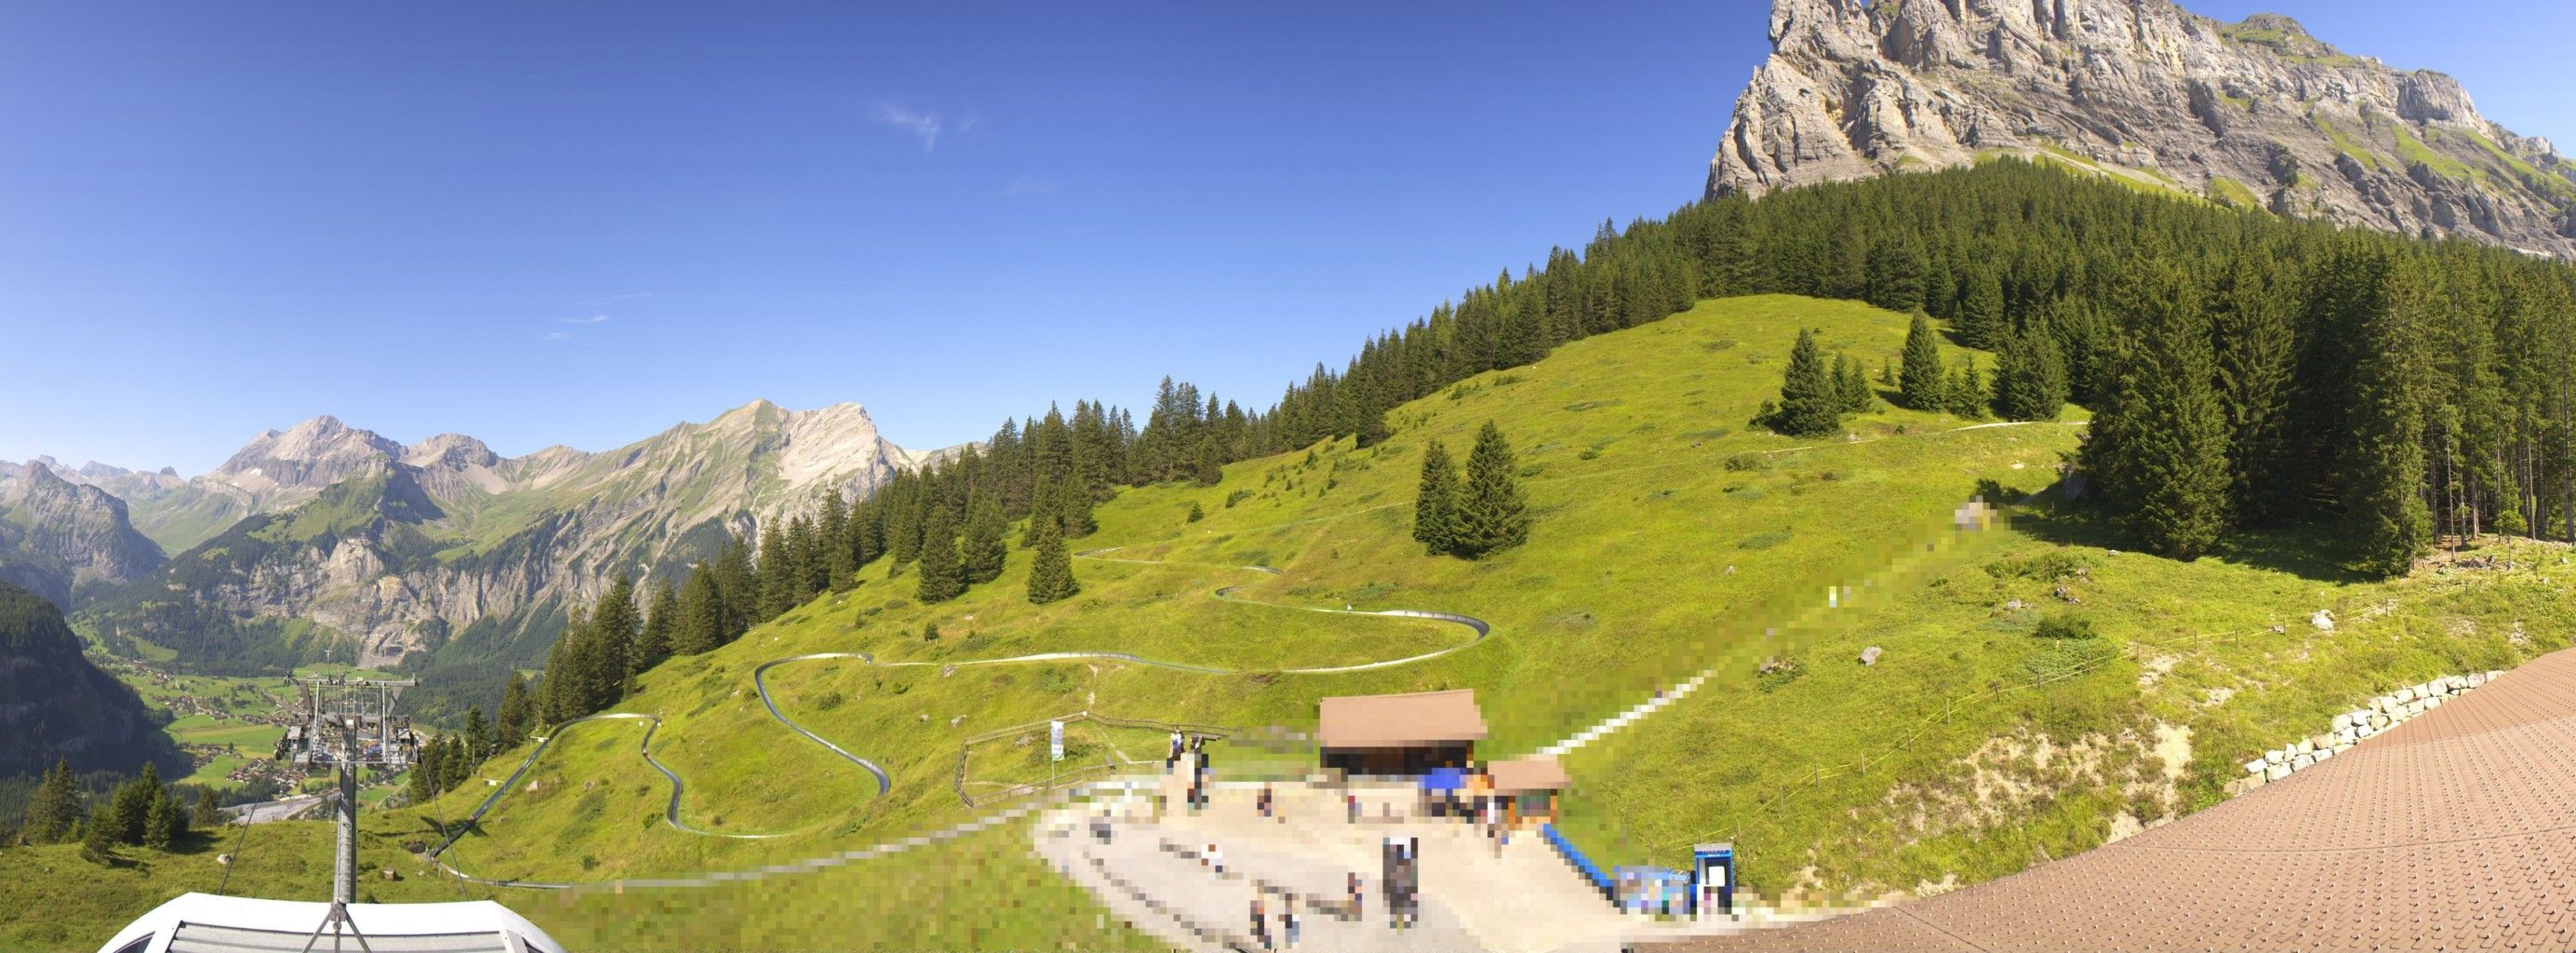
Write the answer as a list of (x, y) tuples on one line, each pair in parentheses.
[(2455, 830), (1420, 719), (1536, 773)]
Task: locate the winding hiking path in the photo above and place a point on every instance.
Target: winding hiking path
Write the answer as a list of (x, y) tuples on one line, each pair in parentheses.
[(885, 783)]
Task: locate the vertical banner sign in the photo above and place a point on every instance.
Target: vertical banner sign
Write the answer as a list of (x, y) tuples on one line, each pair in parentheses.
[(1055, 741)]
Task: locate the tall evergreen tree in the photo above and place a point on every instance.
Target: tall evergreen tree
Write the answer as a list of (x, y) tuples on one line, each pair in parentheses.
[(1896, 271), (2030, 378), (661, 629), (943, 575), (517, 714), (780, 589), (1051, 577), (614, 624), (1491, 514), (701, 621), (130, 810), (1966, 391), (54, 807), (1982, 324), (832, 533), (160, 821), (1435, 503), (478, 734), (2256, 350), (1851, 386), (2384, 454), (2161, 443), (1923, 384), (206, 814), (1808, 399), (986, 546)]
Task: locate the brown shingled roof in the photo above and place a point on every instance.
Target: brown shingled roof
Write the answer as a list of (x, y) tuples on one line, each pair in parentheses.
[(2450, 831), (1420, 719), (1521, 775)]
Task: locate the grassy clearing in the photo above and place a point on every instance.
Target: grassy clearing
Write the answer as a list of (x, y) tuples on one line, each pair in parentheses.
[(1671, 539), (2231, 192)]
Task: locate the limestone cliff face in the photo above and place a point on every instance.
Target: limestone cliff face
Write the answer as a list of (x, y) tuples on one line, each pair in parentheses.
[(2257, 112), (402, 549)]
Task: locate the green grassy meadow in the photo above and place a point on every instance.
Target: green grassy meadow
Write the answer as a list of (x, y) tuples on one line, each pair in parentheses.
[(1671, 538)]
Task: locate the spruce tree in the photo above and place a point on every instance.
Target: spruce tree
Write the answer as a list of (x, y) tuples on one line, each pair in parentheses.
[(131, 809), (2030, 379), (661, 629), (1435, 503), (1923, 385), (1981, 315), (207, 815), (478, 734), (2383, 455), (986, 543), (1896, 269), (779, 587), (1051, 577), (1808, 398), (2165, 424), (614, 624), (516, 714), (1851, 386), (832, 533), (158, 821), (98, 837), (54, 807), (943, 574), (701, 623), (1966, 392), (1491, 514)]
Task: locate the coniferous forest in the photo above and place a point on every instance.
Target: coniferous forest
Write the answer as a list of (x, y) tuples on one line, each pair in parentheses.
[(2243, 370)]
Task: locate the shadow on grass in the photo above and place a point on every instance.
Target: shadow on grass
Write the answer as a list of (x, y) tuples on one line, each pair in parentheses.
[(2309, 550)]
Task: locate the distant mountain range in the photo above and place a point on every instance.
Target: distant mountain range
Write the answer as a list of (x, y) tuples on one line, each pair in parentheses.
[(329, 539), (2253, 114)]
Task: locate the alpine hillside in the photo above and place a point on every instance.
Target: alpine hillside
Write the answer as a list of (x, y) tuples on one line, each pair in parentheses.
[(2257, 114), (58, 536)]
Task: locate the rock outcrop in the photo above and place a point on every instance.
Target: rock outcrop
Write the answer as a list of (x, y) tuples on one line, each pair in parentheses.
[(58, 536), (2251, 113), (403, 549)]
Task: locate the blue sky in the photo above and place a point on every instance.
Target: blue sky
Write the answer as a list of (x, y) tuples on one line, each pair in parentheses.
[(560, 223)]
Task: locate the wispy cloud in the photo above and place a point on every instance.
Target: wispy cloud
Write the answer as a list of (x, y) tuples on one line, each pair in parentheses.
[(593, 319), (924, 126)]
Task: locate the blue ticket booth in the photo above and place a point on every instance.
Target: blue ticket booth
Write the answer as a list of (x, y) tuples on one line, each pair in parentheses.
[(1713, 879)]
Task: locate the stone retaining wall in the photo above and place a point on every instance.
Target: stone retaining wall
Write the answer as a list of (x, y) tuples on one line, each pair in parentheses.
[(2381, 714)]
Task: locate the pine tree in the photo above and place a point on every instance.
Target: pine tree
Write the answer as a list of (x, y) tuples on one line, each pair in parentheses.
[(425, 774), (2383, 456), (1435, 503), (2030, 379), (478, 734), (2163, 435), (1051, 577), (1851, 387), (1807, 394), (158, 821), (701, 624), (517, 714), (208, 816), (1491, 514), (1966, 392), (1981, 316), (130, 811), (661, 625), (54, 807), (614, 624), (943, 575), (832, 533), (778, 582), (738, 588), (98, 837), (1896, 271), (1923, 384), (986, 546)]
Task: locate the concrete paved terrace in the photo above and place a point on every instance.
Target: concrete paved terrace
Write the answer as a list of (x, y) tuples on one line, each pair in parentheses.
[(2454, 831)]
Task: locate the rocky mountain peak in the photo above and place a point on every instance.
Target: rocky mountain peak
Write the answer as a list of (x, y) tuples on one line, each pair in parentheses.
[(307, 456), (453, 450), (2258, 113)]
